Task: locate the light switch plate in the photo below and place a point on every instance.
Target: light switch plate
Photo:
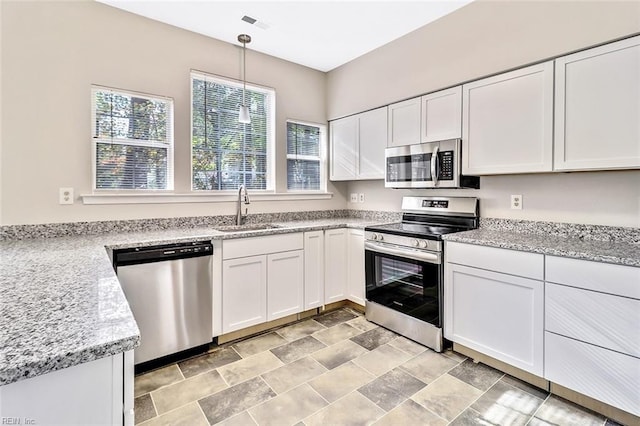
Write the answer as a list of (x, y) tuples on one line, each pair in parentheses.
[(516, 202), (353, 198), (66, 196)]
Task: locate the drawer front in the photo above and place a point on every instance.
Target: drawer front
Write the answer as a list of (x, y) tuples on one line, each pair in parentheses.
[(253, 246), (604, 277), (607, 376), (529, 265), (601, 319)]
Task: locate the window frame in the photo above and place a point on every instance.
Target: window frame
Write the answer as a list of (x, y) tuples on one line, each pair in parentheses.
[(322, 156), (270, 173), (170, 145)]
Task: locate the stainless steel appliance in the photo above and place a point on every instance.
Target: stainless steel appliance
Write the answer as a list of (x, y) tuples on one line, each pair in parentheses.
[(404, 266), (427, 165), (169, 290)]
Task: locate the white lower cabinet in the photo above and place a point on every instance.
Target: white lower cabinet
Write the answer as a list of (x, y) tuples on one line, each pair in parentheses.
[(313, 269), (98, 392), (335, 265), (244, 292), (592, 323), (578, 329), (608, 376), (262, 279), (355, 268), (497, 314), (285, 284)]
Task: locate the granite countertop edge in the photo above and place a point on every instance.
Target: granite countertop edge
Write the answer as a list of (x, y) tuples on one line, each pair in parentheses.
[(618, 253), (22, 360)]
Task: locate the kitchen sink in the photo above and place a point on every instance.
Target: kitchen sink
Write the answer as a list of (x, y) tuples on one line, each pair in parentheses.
[(247, 227)]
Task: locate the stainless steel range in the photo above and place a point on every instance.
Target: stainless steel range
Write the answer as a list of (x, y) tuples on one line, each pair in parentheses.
[(404, 265)]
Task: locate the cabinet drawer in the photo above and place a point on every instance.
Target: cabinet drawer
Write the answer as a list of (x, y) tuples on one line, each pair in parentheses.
[(530, 265), (243, 247), (607, 376), (604, 277), (601, 319)]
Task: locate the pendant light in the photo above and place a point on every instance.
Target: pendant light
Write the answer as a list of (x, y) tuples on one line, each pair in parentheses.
[(243, 114)]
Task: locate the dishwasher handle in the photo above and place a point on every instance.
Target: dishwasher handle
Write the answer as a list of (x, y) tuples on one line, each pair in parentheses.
[(138, 255)]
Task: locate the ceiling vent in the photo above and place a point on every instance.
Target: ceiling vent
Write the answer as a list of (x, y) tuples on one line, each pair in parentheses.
[(253, 21)]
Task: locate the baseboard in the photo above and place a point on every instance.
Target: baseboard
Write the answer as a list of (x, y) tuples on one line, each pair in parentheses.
[(606, 410), (518, 373)]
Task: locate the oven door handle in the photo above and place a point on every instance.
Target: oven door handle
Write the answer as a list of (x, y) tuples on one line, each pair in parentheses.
[(408, 253)]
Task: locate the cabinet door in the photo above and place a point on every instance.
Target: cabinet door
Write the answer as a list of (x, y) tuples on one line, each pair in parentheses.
[(285, 284), (344, 147), (496, 314), (335, 266), (84, 394), (313, 269), (244, 292), (404, 123), (355, 266), (442, 115), (507, 122), (372, 140), (598, 108)]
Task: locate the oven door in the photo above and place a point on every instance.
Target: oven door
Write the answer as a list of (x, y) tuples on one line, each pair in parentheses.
[(405, 280)]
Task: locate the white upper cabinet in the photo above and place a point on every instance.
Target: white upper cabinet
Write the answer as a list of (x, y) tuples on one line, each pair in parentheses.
[(372, 140), (344, 145), (357, 146), (507, 122), (404, 122), (442, 115), (597, 116)]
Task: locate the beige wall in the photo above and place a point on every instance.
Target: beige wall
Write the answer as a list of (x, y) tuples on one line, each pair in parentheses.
[(600, 198), (51, 54), (483, 38)]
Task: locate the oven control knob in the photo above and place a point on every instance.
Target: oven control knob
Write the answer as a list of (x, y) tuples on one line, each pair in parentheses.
[(374, 236), (380, 237), (423, 244), (415, 243)]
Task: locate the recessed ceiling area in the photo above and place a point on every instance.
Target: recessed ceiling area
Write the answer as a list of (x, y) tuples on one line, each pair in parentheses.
[(318, 34)]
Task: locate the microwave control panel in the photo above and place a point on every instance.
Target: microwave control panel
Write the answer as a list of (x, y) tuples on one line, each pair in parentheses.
[(446, 165)]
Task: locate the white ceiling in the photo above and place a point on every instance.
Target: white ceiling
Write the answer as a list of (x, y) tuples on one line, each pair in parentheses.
[(319, 34)]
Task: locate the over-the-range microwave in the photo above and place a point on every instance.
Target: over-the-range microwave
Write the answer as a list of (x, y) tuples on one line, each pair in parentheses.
[(427, 165)]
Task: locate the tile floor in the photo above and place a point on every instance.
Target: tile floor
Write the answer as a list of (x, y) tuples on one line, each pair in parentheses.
[(340, 369)]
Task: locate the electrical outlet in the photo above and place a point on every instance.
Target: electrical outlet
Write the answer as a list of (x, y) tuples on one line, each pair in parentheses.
[(354, 198), (361, 198), (516, 202), (66, 196)]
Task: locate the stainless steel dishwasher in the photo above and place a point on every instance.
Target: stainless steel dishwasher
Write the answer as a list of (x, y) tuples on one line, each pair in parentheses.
[(169, 291)]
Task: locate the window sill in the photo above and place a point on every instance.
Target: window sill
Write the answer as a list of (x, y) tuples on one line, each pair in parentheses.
[(226, 197)]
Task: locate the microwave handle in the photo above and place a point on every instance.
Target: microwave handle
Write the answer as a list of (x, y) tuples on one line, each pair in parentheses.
[(434, 163)]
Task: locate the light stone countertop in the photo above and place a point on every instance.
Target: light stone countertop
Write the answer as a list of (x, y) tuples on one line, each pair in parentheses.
[(62, 304), (620, 253)]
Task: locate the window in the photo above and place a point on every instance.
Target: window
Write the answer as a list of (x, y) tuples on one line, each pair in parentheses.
[(225, 153), (132, 140), (305, 169)]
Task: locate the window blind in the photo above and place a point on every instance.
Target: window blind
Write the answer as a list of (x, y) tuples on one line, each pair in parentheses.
[(133, 140), (304, 162), (226, 153)]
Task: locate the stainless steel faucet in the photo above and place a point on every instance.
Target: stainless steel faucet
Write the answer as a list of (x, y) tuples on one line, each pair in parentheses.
[(239, 206)]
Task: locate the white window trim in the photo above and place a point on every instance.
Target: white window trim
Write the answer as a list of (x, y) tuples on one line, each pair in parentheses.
[(156, 144), (271, 133), (323, 156), (200, 197)]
